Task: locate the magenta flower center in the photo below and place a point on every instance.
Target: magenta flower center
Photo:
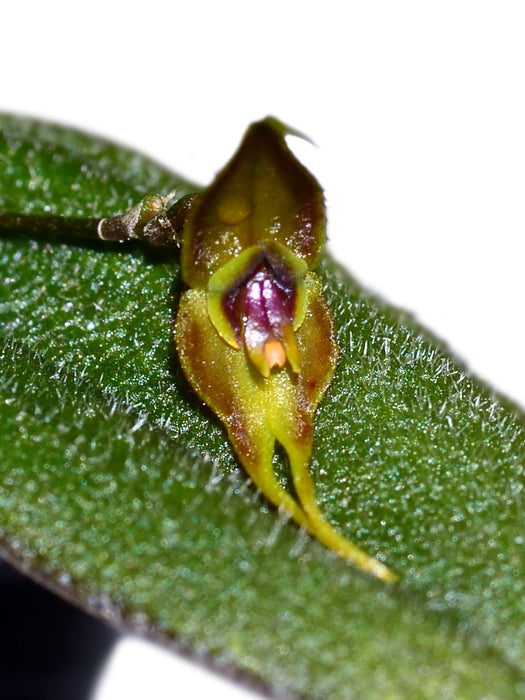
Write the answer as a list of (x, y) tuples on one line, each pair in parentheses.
[(261, 309)]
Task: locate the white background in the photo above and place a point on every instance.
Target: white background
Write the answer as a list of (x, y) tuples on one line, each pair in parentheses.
[(418, 113)]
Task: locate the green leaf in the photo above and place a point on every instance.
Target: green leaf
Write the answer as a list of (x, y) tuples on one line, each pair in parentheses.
[(119, 490)]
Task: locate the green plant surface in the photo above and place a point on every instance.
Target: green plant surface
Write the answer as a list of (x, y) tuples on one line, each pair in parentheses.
[(119, 489)]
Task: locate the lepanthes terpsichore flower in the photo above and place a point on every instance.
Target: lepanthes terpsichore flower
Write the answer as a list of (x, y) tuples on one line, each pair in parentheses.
[(254, 333)]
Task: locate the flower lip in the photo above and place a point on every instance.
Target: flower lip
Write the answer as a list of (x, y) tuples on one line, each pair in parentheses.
[(258, 300), (262, 298), (260, 308)]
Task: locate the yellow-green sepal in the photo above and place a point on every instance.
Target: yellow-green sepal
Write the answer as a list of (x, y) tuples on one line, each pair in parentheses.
[(263, 194)]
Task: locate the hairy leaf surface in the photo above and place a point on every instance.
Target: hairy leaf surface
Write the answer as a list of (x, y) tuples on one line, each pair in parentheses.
[(119, 489)]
